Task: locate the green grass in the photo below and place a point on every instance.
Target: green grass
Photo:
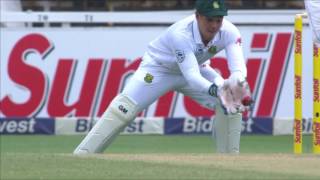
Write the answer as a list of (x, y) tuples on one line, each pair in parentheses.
[(155, 157), (150, 144)]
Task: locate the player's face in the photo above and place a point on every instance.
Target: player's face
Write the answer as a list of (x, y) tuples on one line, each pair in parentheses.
[(208, 26)]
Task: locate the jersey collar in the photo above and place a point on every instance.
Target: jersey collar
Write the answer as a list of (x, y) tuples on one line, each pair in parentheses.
[(197, 36)]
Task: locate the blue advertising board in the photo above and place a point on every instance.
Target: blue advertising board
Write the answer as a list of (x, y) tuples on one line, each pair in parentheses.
[(27, 125), (204, 125)]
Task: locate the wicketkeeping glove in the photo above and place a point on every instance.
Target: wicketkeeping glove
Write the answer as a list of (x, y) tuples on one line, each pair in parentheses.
[(234, 96)]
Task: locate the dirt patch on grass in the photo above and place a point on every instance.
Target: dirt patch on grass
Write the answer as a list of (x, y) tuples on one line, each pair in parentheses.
[(273, 163)]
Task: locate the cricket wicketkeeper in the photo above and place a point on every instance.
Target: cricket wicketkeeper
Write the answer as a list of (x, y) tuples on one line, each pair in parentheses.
[(178, 60)]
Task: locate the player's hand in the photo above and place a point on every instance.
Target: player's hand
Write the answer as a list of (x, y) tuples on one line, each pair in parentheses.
[(234, 95)]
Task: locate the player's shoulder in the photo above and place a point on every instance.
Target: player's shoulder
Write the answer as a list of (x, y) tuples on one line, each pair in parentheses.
[(229, 27), (182, 28), (229, 32), (183, 25)]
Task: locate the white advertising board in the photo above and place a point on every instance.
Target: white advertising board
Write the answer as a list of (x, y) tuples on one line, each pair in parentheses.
[(73, 72)]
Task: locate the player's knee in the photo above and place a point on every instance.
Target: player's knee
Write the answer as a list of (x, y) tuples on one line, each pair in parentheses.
[(123, 108)]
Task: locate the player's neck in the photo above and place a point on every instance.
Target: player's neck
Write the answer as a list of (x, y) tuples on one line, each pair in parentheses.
[(205, 42)]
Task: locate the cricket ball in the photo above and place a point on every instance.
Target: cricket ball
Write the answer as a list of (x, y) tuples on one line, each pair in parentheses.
[(247, 101)]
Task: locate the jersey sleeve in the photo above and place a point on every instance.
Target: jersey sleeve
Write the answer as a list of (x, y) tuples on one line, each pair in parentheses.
[(182, 49), (234, 52)]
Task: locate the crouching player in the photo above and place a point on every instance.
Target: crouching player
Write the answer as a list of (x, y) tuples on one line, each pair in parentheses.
[(178, 60)]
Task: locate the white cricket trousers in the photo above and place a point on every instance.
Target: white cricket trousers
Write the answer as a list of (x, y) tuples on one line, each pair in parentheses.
[(145, 91), (151, 81)]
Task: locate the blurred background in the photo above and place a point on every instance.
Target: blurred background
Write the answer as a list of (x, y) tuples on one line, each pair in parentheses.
[(145, 5)]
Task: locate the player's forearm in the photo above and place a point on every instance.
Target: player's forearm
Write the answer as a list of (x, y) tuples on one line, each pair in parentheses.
[(236, 60), (195, 79)]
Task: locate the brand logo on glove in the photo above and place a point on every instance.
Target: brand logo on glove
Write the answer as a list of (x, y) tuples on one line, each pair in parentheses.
[(123, 109)]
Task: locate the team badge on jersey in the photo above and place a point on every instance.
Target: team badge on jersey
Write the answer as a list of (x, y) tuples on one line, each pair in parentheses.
[(180, 56), (212, 50), (148, 78)]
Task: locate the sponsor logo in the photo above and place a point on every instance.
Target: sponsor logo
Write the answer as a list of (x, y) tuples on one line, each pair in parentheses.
[(83, 125), (297, 38), (257, 126), (297, 82), (21, 126), (199, 51), (316, 92), (135, 127), (239, 41), (298, 129), (180, 56), (204, 125), (123, 109), (316, 130), (26, 126), (212, 50), (103, 79), (196, 125), (148, 78)]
